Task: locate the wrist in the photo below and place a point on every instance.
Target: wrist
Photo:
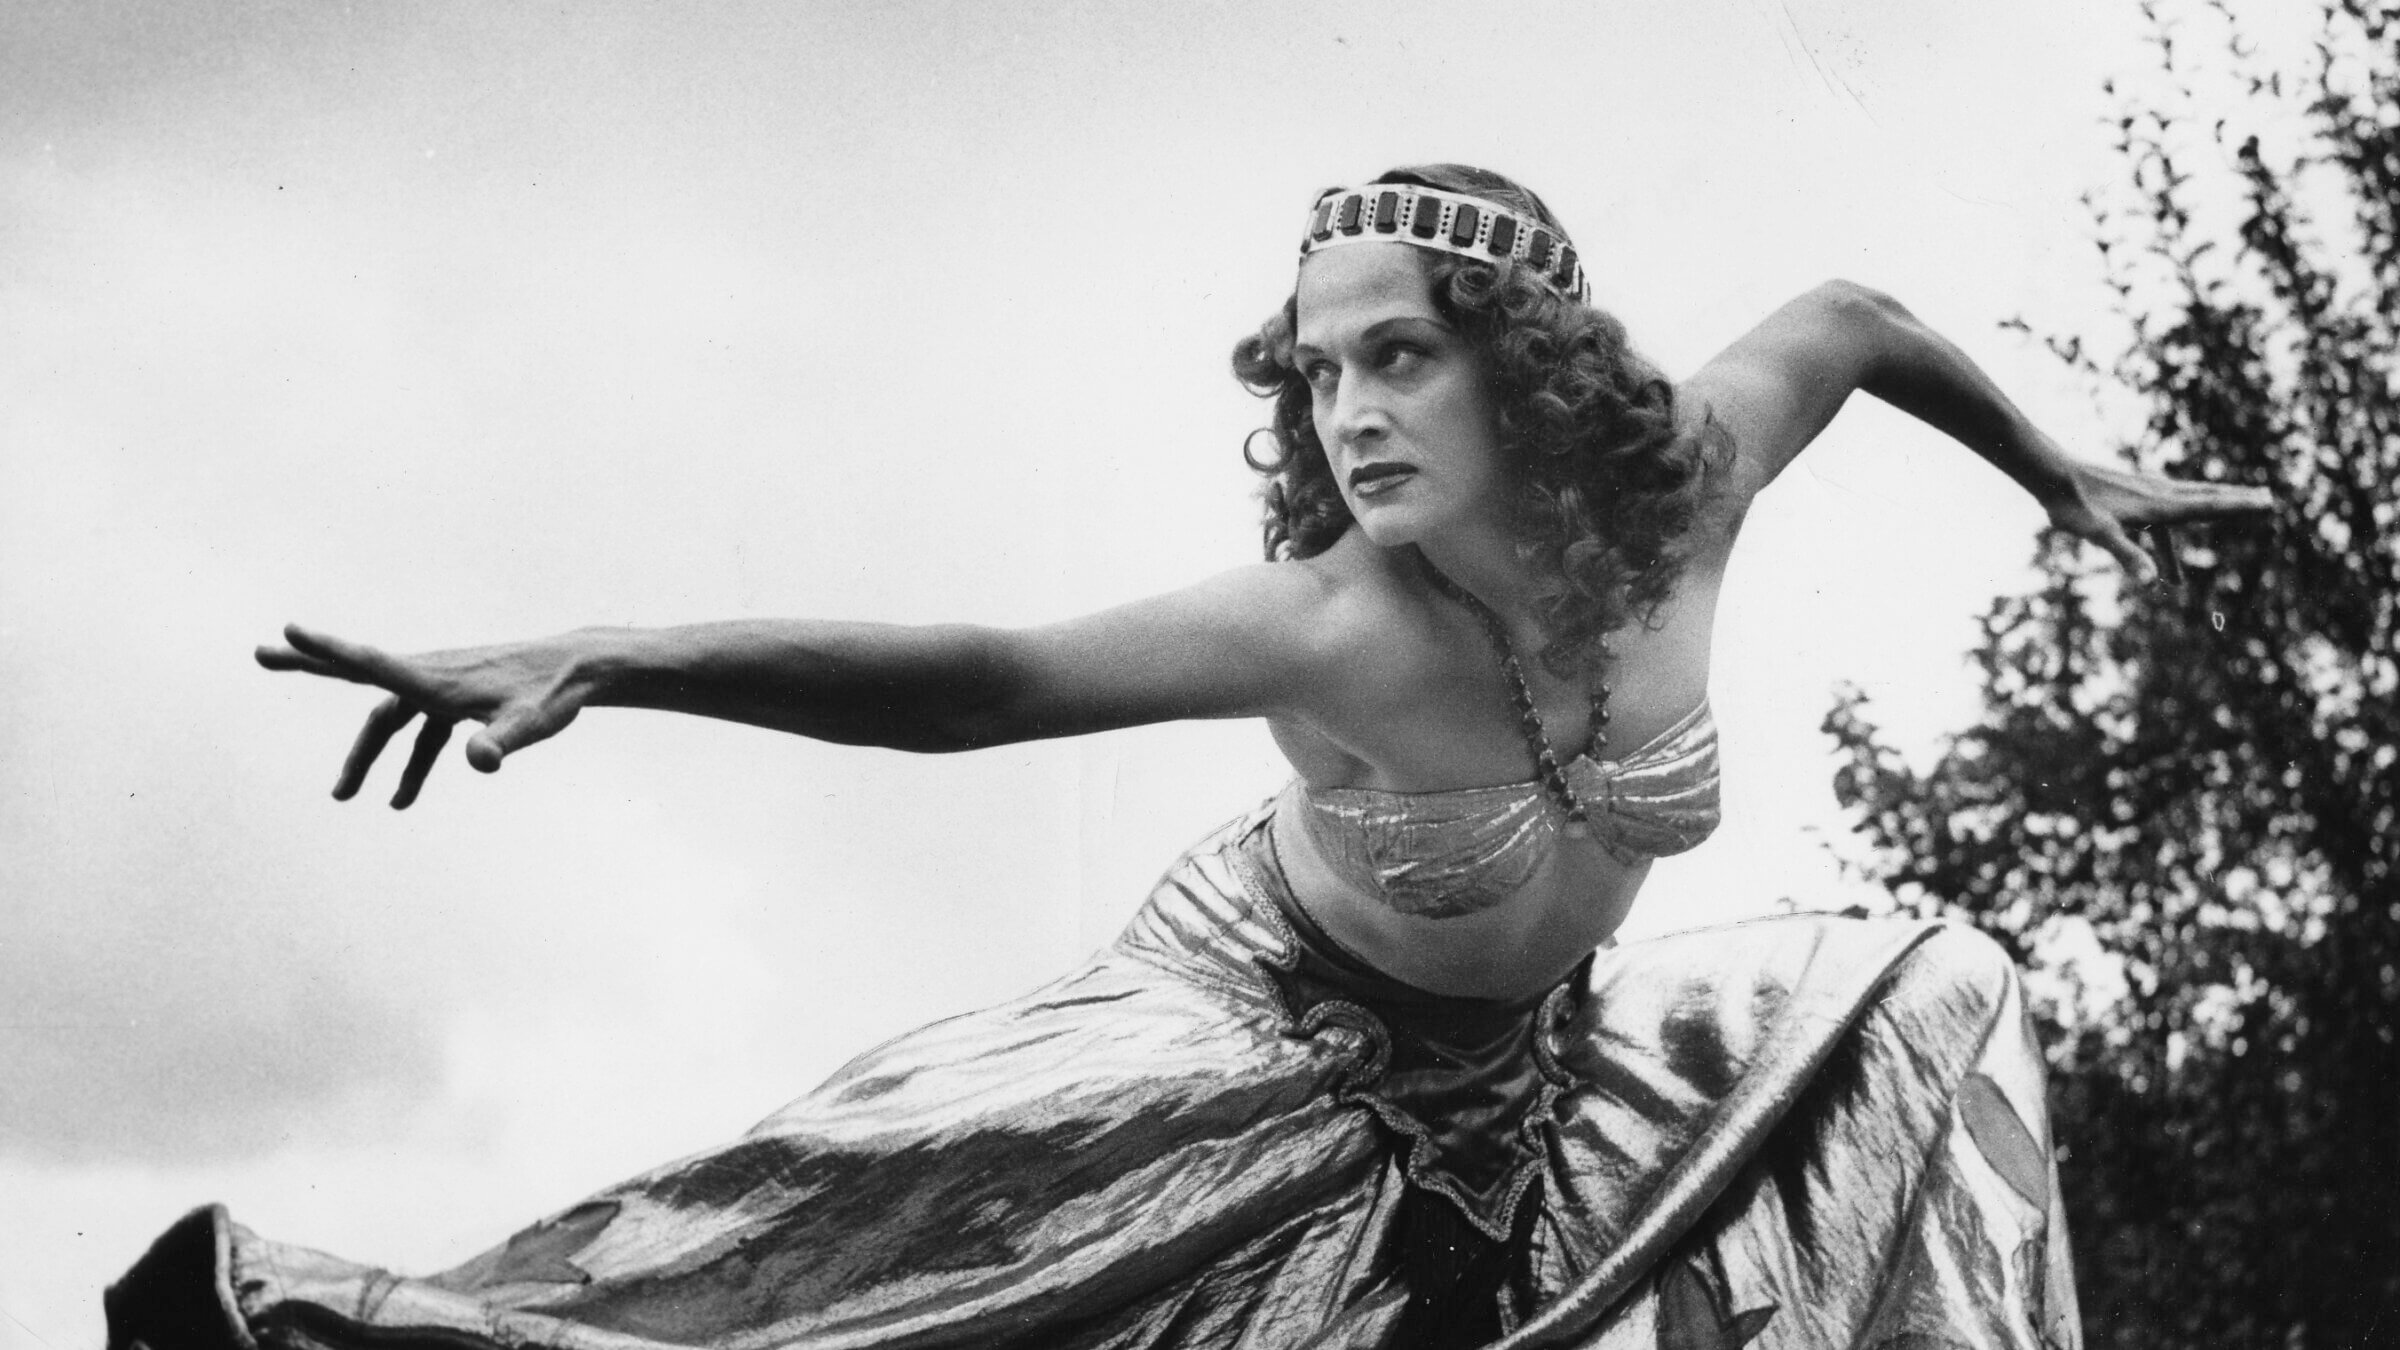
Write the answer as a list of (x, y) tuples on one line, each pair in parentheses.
[(621, 667), (2039, 466)]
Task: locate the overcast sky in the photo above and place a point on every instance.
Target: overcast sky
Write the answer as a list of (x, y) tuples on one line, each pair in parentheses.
[(434, 324)]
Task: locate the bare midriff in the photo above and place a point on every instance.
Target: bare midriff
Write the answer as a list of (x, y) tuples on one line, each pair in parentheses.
[(1570, 905)]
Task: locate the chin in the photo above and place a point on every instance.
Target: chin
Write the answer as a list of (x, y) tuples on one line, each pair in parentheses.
[(1388, 526), (1414, 519)]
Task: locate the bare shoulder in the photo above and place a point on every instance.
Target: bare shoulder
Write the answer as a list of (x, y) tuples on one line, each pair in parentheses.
[(1255, 641), (1373, 651), (1360, 612), (1278, 638), (1776, 386), (1291, 608), (1745, 390)]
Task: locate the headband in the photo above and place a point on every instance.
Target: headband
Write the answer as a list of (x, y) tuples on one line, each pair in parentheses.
[(1446, 222)]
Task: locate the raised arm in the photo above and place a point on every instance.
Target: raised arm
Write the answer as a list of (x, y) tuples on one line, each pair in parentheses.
[(1778, 386), (1241, 644)]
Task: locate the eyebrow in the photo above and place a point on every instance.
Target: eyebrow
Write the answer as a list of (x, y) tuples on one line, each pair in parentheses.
[(1381, 328)]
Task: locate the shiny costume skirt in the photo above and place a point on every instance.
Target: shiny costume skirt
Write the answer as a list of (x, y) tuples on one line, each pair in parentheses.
[(1222, 1131)]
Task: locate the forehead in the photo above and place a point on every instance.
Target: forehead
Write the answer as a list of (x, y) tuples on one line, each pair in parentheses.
[(1344, 291)]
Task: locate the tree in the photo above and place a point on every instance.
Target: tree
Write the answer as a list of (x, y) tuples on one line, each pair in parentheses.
[(2200, 775)]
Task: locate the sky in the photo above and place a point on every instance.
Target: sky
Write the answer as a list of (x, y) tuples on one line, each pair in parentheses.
[(435, 324)]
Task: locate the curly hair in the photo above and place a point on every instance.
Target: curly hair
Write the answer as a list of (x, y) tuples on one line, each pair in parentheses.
[(1609, 483)]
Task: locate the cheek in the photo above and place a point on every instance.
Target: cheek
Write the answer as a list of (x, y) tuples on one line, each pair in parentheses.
[(1474, 423)]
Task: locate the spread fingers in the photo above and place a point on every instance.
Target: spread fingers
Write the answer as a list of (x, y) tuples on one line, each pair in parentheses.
[(381, 725), (430, 739), (353, 660)]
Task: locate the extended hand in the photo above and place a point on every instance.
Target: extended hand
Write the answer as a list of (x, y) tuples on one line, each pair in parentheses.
[(2108, 506), (522, 692)]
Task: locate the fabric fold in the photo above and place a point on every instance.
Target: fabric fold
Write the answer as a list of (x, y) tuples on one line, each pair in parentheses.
[(1802, 1131)]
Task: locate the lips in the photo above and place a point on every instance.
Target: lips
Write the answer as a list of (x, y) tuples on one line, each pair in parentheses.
[(1369, 479)]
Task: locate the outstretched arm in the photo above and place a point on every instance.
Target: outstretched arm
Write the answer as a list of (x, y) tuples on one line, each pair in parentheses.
[(1239, 645), (1778, 386)]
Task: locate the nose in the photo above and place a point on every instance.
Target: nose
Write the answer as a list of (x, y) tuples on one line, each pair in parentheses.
[(1357, 414)]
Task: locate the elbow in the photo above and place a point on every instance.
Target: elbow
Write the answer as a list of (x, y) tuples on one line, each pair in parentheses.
[(946, 727), (978, 703), (1854, 302), (942, 738), (956, 730), (1872, 331)]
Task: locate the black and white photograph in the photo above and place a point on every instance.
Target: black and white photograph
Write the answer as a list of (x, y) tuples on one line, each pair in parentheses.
[(1053, 674)]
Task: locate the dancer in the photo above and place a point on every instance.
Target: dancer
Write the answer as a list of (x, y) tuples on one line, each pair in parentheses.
[(1366, 1070)]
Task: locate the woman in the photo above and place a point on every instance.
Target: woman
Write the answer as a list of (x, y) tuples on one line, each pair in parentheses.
[(1361, 1072)]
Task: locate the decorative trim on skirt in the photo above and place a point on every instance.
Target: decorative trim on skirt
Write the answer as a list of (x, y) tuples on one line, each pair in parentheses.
[(1222, 1132)]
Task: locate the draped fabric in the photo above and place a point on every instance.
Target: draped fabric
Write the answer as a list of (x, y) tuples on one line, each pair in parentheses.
[(1801, 1131)]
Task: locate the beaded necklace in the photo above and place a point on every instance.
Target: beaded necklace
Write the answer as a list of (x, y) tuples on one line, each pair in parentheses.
[(1529, 718)]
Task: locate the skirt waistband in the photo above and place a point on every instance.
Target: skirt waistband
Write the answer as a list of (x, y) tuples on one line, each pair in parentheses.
[(1469, 1086)]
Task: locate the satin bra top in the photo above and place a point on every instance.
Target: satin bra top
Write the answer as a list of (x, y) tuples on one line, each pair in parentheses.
[(1442, 854)]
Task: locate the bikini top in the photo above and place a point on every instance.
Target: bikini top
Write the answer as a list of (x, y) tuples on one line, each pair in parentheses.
[(1443, 854)]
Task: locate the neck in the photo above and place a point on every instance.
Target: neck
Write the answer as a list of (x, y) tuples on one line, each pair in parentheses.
[(1489, 569)]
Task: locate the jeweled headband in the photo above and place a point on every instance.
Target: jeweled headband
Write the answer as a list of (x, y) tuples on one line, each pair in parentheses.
[(1447, 222)]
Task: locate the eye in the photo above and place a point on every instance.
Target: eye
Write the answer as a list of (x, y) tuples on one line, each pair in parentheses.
[(1320, 375), (1399, 358)]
